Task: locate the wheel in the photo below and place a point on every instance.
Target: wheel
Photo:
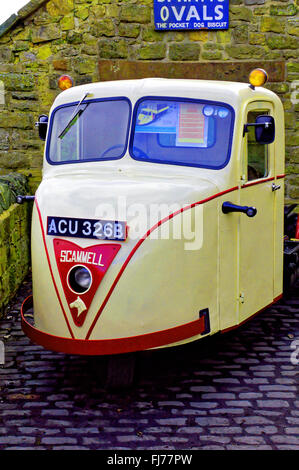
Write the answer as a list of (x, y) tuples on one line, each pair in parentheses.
[(291, 275), (120, 371)]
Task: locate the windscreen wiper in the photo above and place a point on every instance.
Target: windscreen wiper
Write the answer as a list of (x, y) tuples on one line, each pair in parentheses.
[(76, 114)]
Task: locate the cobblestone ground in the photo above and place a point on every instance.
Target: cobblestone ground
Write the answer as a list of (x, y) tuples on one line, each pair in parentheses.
[(233, 391)]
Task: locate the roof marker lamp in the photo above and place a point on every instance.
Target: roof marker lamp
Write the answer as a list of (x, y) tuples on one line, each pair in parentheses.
[(65, 82), (257, 77)]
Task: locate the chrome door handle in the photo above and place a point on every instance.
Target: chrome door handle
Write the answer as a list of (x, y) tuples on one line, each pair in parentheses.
[(275, 187)]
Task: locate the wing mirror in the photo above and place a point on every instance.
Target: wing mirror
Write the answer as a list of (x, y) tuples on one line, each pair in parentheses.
[(42, 125), (264, 129)]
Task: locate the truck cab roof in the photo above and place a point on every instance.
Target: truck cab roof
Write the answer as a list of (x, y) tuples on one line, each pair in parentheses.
[(222, 91)]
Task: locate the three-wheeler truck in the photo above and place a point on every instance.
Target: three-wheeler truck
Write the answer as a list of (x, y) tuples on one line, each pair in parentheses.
[(160, 216)]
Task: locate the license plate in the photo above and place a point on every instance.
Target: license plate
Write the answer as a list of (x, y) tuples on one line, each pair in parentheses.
[(86, 228)]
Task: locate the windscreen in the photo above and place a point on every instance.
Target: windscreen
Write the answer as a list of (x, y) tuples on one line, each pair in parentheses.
[(182, 132), (94, 130)]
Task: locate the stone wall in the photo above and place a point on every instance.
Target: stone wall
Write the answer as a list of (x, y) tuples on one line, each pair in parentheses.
[(14, 237), (49, 38)]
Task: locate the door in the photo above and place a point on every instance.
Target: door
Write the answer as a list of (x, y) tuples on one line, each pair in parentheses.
[(256, 235)]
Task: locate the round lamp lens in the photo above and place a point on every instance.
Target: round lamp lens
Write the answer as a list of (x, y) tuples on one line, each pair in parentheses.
[(258, 77), (79, 279), (65, 82)]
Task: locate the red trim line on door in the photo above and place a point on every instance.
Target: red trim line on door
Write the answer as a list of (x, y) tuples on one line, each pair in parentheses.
[(262, 180), (253, 183)]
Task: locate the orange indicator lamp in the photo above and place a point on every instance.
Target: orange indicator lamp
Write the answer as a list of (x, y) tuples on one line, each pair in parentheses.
[(257, 77), (65, 82)]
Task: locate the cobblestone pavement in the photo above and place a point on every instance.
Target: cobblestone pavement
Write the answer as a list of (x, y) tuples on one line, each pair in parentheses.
[(233, 391)]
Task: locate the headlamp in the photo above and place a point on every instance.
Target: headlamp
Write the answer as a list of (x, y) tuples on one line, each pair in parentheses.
[(79, 279)]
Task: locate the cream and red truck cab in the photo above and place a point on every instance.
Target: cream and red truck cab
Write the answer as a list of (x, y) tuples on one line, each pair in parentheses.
[(159, 218)]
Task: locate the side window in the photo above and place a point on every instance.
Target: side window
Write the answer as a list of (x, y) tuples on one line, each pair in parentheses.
[(257, 154)]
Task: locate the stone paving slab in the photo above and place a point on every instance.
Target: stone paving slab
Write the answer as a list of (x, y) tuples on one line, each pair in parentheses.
[(233, 391)]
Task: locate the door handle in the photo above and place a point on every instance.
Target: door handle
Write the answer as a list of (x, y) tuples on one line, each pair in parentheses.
[(228, 207), (275, 187)]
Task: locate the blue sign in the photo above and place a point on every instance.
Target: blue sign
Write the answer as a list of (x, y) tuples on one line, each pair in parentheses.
[(191, 14)]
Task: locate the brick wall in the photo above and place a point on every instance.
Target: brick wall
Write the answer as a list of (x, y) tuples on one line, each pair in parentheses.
[(49, 38)]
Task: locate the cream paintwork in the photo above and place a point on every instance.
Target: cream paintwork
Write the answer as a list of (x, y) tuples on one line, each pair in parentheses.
[(163, 285)]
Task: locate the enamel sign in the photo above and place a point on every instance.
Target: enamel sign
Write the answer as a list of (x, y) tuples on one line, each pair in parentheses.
[(191, 14)]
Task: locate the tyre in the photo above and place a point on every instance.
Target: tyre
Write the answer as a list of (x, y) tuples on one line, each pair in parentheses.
[(120, 371)]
